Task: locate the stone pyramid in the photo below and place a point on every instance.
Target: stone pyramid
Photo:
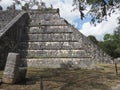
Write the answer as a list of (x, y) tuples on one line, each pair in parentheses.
[(50, 41)]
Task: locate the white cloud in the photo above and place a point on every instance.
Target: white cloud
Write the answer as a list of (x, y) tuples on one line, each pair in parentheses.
[(5, 3), (102, 28)]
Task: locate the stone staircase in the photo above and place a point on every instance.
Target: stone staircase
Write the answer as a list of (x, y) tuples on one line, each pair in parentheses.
[(50, 41), (6, 17)]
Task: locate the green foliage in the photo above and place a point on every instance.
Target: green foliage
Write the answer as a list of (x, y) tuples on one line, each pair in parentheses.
[(93, 1), (117, 51), (99, 8), (108, 47), (93, 39), (107, 37), (111, 43)]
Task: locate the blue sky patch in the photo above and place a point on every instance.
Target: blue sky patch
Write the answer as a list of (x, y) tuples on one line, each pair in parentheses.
[(79, 23), (63, 1)]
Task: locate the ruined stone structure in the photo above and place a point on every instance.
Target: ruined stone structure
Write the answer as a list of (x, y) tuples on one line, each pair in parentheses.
[(11, 31), (50, 41), (6, 17), (12, 73)]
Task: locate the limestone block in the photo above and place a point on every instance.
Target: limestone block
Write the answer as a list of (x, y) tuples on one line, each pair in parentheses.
[(47, 22), (56, 62), (51, 45), (54, 53), (49, 29), (11, 71), (6, 17), (46, 16), (43, 11), (50, 37), (11, 68)]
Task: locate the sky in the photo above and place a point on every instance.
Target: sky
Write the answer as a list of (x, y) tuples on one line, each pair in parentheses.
[(73, 17)]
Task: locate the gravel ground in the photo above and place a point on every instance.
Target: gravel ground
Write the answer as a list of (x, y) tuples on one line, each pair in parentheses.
[(116, 87)]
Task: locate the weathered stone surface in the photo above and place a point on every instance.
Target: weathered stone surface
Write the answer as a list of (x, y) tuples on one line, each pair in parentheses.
[(49, 29), (6, 17), (12, 73), (11, 33), (56, 62), (50, 37), (43, 11), (49, 40), (54, 53), (50, 45), (46, 16), (36, 22), (96, 53)]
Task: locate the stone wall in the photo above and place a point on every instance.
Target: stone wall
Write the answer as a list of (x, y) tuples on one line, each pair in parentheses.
[(6, 17), (11, 35), (96, 53), (51, 41)]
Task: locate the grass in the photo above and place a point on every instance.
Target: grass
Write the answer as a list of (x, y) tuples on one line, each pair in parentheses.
[(68, 79)]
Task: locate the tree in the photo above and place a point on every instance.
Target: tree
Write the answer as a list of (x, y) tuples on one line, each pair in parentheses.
[(28, 3), (111, 43), (99, 8), (109, 47), (107, 37), (117, 40), (93, 39)]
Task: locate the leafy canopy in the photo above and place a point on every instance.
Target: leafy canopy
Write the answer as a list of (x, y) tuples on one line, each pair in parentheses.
[(99, 9), (93, 39), (111, 43)]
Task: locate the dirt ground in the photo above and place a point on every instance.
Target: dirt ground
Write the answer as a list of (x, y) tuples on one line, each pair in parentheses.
[(68, 79)]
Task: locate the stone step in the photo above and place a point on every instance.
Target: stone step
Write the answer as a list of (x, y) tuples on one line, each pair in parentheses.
[(38, 22), (44, 16), (47, 24), (50, 37), (49, 29), (43, 11), (58, 62), (53, 53), (50, 45)]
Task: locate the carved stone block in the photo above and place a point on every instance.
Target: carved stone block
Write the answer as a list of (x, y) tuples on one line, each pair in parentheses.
[(11, 72)]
